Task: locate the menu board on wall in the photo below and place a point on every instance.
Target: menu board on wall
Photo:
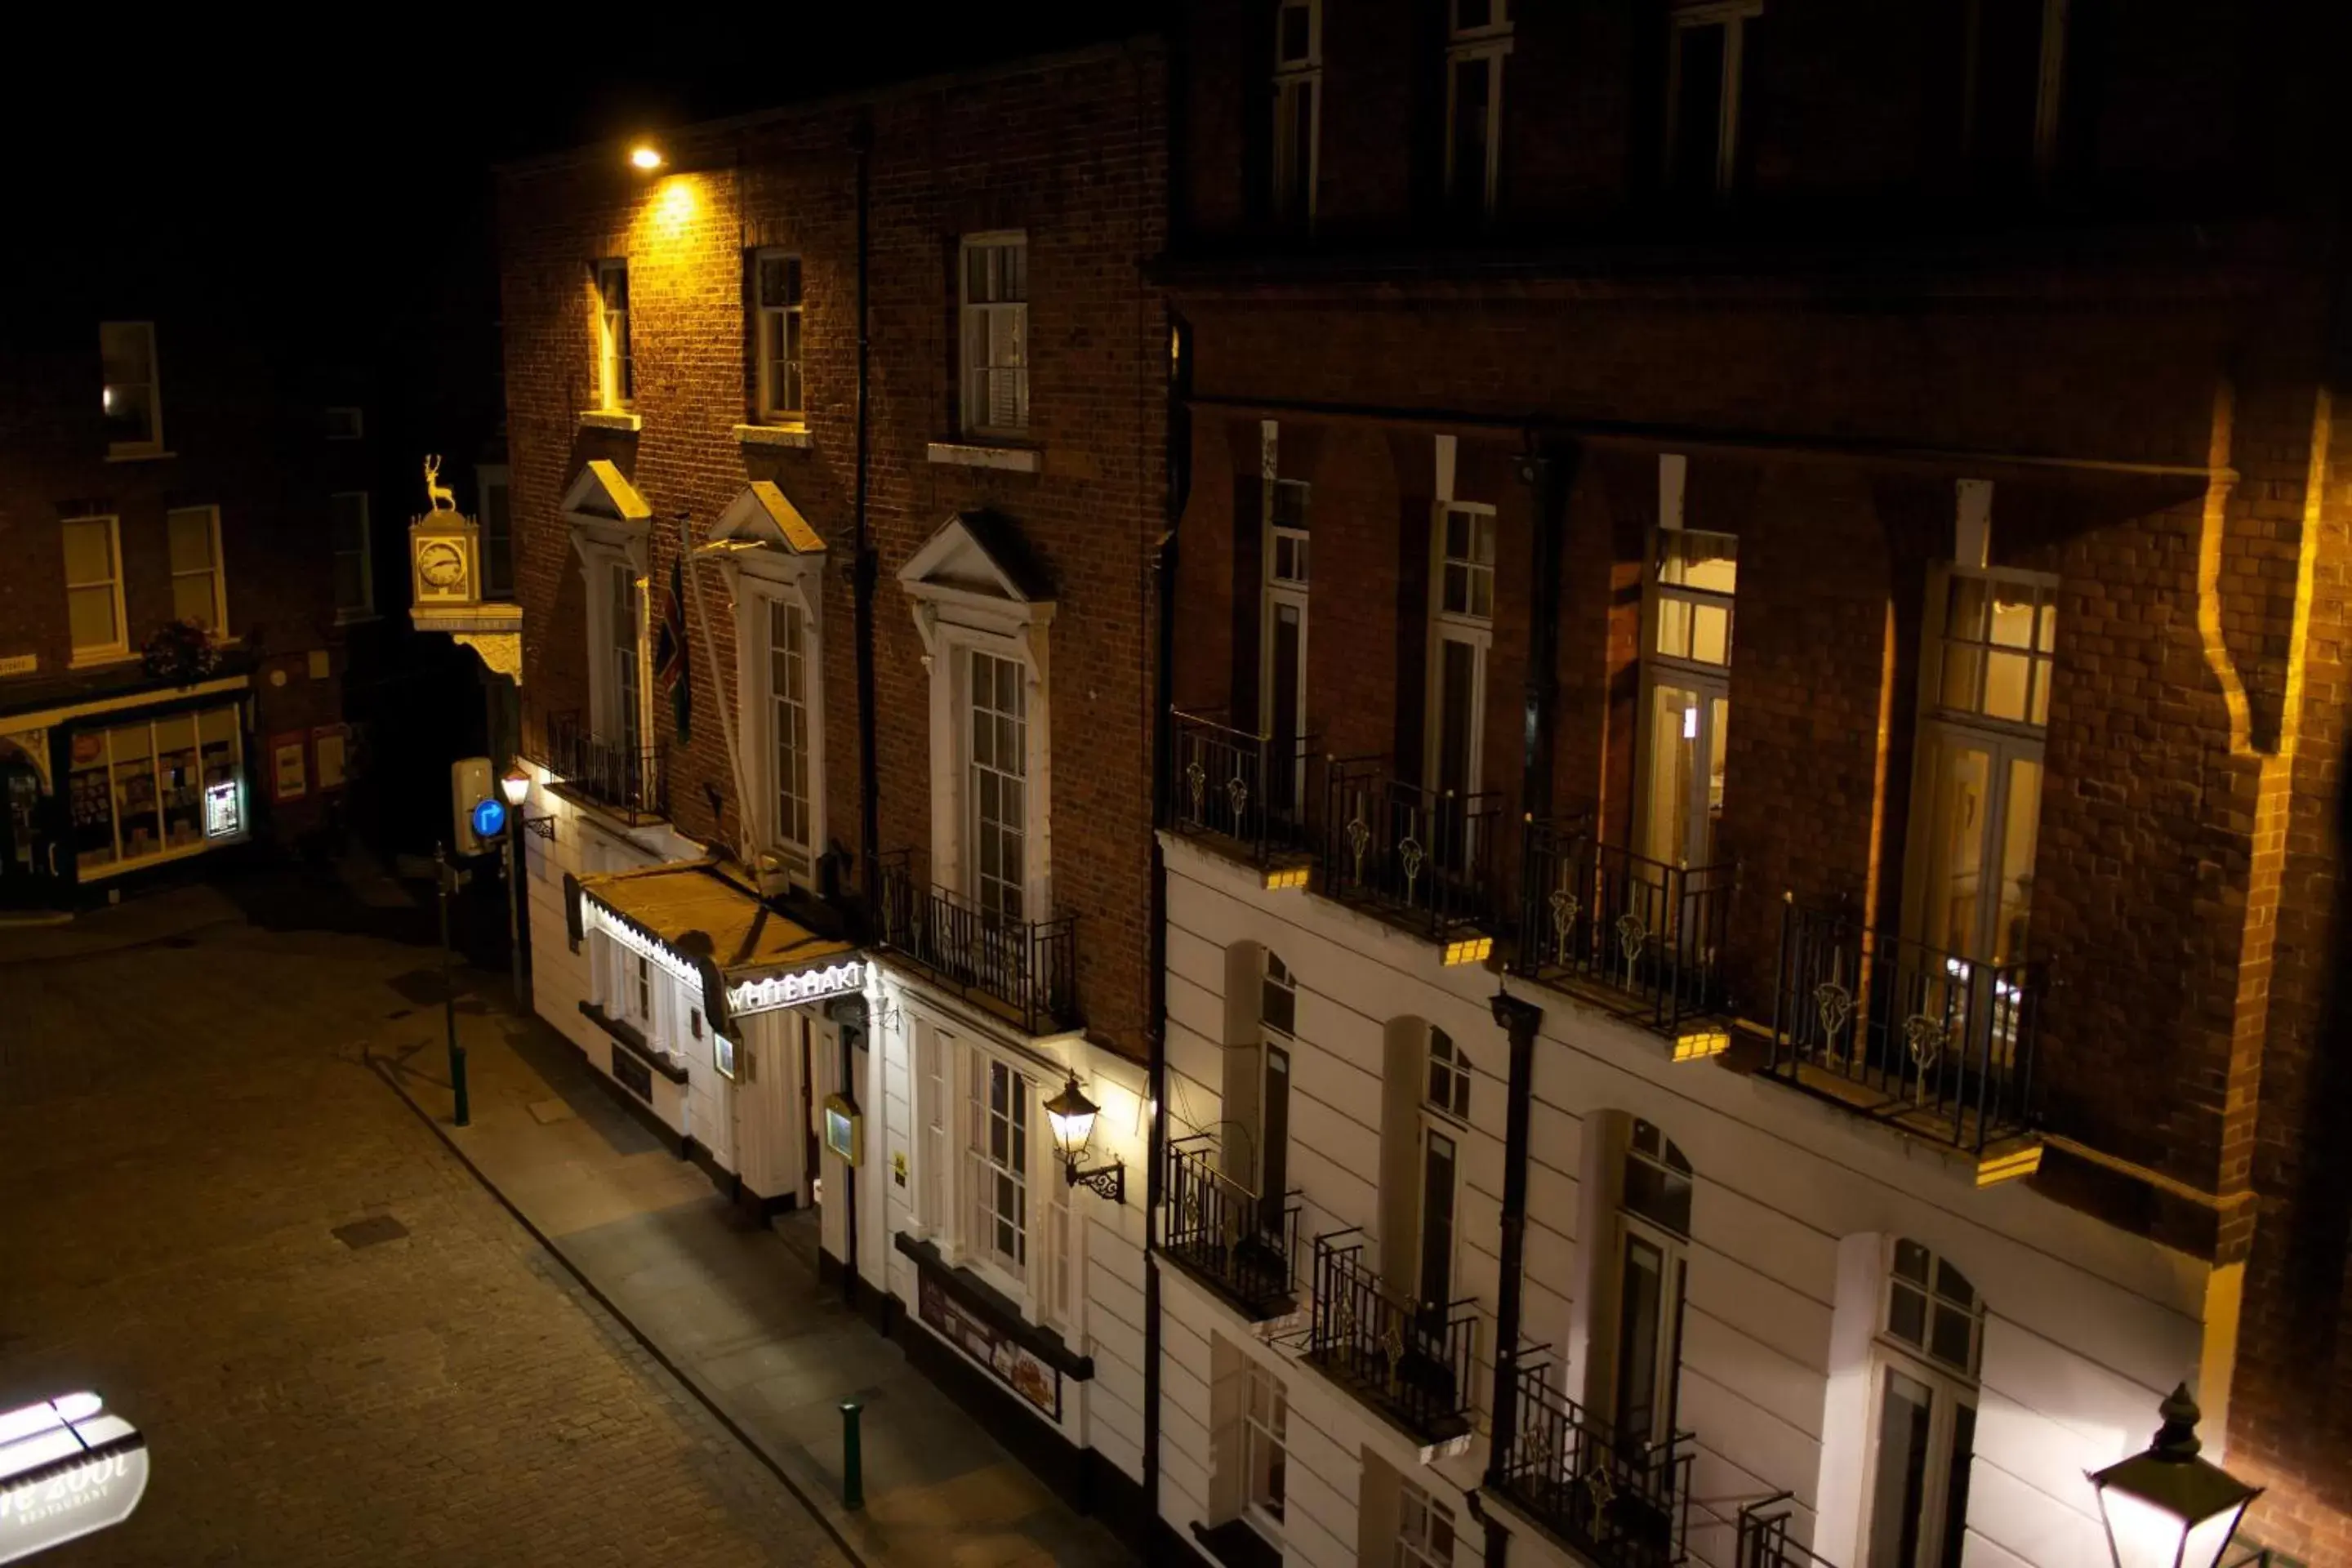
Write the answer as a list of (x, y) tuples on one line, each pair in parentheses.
[(289, 777), (1016, 1368)]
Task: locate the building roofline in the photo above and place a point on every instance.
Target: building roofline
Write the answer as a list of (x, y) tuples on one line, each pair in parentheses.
[(606, 151)]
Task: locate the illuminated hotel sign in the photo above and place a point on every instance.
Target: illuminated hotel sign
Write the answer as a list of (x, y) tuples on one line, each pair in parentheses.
[(67, 1469), (791, 990)]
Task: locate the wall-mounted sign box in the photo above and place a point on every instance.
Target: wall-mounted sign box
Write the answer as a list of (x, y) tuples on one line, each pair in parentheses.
[(845, 1129)]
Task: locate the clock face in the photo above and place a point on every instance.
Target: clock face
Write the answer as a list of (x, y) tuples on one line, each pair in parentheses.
[(441, 563)]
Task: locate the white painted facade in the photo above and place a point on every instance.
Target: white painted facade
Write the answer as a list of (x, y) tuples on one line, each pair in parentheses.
[(1795, 1207)]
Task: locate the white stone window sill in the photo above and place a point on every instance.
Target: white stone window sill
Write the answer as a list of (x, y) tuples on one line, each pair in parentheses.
[(795, 437), (611, 419), (968, 455), (157, 455)]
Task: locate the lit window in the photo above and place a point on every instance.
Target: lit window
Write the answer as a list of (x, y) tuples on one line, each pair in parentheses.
[(1926, 1394), (995, 282), (777, 335), (131, 395), (1686, 706), (192, 535), (139, 790), (1297, 100), (2000, 632), (616, 380), (348, 537), (94, 613), (1477, 44)]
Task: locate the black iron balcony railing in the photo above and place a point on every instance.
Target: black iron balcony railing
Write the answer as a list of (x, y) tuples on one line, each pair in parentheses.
[(1623, 1503), (1424, 857), (1945, 1043), (1602, 914), (1413, 1364), (1253, 790), (1244, 1246), (1027, 966), (1764, 1537), (612, 772)]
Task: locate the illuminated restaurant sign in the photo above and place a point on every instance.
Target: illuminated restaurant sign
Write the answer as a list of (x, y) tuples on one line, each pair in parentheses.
[(67, 1469), (791, 990)]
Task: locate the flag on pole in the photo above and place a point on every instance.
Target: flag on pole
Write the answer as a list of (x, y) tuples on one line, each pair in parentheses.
[(669, 653)]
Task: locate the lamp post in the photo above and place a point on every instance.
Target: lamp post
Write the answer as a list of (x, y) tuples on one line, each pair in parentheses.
[(516, 787), (1072, 1115), (449, 875), (2165, 1508)]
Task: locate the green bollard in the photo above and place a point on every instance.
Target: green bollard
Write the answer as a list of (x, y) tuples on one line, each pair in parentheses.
[(853, 1477)]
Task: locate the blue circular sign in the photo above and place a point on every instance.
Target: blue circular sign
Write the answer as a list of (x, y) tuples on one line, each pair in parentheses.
[(490, 818)]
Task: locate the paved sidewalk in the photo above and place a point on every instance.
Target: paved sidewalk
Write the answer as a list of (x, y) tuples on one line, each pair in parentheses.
[(735, 1310)]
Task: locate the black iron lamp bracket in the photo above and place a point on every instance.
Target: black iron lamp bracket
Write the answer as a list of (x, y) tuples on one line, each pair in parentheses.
[(1108, 1182)]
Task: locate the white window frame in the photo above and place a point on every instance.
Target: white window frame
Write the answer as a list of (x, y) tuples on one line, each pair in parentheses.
[(1491, 45), (165, 850), (1454, 1066), (1711, 683), (973, 875), (1293, 77), (794, 320), (1732, 17), (1264, 1432), (1417, 1509), (1674, 1250), (1467, 628), (615, 354), (937, 1056), (217, 571), (153, 446), (1949, 1388), (366, 608), (2005, 741), (953, 853), (120, 648), (984, 1171), (1283, 591), (977, 320)]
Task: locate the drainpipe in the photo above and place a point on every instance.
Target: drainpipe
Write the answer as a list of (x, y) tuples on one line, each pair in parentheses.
[(865, 565), (1521, 1019), (1179, 460)]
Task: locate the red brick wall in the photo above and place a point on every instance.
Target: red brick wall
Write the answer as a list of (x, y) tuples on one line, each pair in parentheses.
[(1071, 151)]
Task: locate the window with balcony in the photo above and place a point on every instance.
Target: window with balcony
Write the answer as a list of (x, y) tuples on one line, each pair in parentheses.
[(1297, 110), (198, 591), (616, 377), (1992, 638), (776, 336), (1424, 1123), (130, 396), (1685, 695), (1282, 679), (1928, 1349), (619, 697), (350, 537), (1462, 631), (1705, 45), (1478, 41), (1258, 1093), (995, 302), (94, 610), (996, 739), (1638, 1362)]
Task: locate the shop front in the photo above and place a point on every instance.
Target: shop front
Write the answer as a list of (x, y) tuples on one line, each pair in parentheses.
[(103, 789)]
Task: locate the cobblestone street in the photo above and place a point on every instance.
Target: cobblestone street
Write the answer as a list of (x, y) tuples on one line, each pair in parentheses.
[(339, 1346)]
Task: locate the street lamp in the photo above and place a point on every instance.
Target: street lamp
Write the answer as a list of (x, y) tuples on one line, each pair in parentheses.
[(516, 787), (2167, 1508), (1072, 1115)]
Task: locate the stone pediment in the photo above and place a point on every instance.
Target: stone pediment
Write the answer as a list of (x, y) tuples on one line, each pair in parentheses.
[(761, 513), (601, 493), (979, 556)]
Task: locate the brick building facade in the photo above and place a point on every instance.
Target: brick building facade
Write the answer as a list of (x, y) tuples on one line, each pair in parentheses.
[(892, 885), (1817, 539), (161, 465)]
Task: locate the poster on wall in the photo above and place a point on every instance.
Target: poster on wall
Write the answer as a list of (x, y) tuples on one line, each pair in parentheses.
[(289, 777), (1016, 1368), (328, 744)]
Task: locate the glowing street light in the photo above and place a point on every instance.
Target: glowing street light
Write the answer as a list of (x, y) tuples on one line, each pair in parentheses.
[(645, 157), (1072, 1115), (515, 786), (2167, 1508)]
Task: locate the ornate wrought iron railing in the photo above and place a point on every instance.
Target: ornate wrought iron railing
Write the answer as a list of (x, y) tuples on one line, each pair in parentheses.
[(629, 778), (1030, 966), (1415, 1364), (1624, 1503), (1254, 790), (1764, 1537), (1243, 1245), (1949, 1041), (1601, 913), (1423, 856)]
